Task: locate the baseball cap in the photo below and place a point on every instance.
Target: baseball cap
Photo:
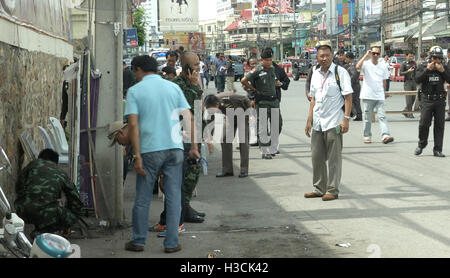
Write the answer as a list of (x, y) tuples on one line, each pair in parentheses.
[(324, 43), (350, 55), (114, 128)]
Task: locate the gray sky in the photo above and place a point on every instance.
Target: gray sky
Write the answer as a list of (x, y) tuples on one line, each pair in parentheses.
[(207, 9)]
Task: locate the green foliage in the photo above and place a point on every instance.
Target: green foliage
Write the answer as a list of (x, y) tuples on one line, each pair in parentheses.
[(140, 24)]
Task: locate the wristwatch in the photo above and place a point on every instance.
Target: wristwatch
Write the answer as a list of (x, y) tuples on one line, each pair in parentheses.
[(347, 117), (136, 156)]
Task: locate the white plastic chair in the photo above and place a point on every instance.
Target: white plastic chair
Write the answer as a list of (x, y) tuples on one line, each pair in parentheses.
[(28, 145), (63, 159), (59, 136)]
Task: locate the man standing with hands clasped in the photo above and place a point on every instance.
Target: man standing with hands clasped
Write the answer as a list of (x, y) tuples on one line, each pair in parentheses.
[(331, 89), (432, 75)]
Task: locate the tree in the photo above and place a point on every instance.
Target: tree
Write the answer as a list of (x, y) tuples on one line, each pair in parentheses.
[(140, 23)]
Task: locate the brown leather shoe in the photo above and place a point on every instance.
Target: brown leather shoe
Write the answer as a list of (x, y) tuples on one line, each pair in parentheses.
[(329, 197), (173, 250), (312, 195), (129, 246)]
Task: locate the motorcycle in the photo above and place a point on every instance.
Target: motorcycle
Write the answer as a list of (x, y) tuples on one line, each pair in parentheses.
[(13, 239)]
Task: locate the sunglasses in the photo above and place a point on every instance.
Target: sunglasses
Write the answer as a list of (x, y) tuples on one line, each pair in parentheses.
[(375, 53)]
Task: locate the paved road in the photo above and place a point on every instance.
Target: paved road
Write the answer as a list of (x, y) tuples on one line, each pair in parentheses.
[(392, 203)]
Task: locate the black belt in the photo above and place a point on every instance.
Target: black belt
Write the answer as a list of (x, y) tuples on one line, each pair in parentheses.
[(433, 96)]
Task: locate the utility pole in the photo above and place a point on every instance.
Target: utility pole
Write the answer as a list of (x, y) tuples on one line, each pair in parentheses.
[(311, 23), (281, 32), (356, 43), (382, 29), (419, 42), (295, 29), (108, 57)]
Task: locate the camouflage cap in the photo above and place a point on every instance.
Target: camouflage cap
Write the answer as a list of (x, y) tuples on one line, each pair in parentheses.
[(114, 128)]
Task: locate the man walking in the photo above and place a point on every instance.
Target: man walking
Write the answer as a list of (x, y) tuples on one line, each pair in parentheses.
[(189, 84), (157, 146), (331, 89), (221, 68), (230, 75), (264, 79), (407, 70), (237, 120), (350, 66), (432, 75), (373, 93)]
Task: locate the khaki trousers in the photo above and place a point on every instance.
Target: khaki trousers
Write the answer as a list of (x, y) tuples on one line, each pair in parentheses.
[(326, 146), (230, 84)]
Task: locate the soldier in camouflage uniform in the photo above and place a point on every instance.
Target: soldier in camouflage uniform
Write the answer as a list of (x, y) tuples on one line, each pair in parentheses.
[(39, 191), (188, 81)]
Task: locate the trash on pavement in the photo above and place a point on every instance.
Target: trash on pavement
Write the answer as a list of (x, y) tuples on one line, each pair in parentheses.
[(346, 245)]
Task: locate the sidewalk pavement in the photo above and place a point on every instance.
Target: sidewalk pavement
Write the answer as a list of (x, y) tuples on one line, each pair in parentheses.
[(391, 204)]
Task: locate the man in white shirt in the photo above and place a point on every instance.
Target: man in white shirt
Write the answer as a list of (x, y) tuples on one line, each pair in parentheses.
[(328, 122), (373, 93)]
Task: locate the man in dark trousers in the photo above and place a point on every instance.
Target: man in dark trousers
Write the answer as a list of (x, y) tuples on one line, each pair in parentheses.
[(264, 80), (128, 79), (350, 66), (432, 75), (407, 70), (237, 120)]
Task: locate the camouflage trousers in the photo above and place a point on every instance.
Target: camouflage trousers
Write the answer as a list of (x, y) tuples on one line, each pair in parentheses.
[(49, 219), (191, 174)]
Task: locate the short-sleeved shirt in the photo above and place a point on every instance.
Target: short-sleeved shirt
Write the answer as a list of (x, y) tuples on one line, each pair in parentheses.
[(329, 101), (158, 104), (263, 80), (374, 75), (220, 65)]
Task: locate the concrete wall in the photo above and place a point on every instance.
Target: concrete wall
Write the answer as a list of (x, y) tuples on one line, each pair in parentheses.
[(31, 80)]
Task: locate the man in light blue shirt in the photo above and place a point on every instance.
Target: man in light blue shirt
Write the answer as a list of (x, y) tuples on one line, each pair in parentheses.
[(154, 106), (221, 68)]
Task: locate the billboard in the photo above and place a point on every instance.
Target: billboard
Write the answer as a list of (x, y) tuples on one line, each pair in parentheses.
[(192, 41), (179, 16), (130, 37), (346, 11), (372, 8), (224, 8), (270, 10)]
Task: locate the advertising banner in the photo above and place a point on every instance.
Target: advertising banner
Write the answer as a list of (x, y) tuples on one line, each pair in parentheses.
[(179, 16), (346, 11), (271, 10), (130, 37), (52, 16), (191, 41)]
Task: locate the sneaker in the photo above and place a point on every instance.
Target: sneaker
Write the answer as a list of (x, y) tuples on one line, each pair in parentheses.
[(181, 229), (157, 228)]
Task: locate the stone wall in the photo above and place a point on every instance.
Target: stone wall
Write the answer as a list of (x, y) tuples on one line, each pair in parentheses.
[(30, 93)]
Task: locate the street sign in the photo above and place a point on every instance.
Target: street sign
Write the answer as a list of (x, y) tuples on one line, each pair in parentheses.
[(130, 37)]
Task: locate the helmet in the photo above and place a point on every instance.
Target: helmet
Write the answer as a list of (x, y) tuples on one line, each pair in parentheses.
[(436, 51)]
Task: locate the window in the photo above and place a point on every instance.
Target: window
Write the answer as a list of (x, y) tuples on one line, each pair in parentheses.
[(209, 29)]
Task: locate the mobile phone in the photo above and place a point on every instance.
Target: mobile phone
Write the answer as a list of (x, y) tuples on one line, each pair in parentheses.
[(413, 67), (338, 129), (187, 68)]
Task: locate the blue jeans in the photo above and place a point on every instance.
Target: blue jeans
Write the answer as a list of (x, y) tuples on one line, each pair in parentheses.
[(369, 106), (170, 162), (220, 83)]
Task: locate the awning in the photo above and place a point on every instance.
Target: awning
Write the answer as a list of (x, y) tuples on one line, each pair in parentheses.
[(393, 40), (232, 26), (378, 43), (432, 27), (443, 34)]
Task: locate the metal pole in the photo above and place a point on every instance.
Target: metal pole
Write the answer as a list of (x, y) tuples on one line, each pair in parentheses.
[(419, 42), (295, 29), (382, 29), (281, 32)]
